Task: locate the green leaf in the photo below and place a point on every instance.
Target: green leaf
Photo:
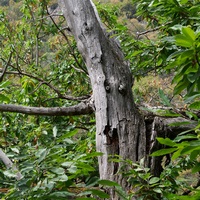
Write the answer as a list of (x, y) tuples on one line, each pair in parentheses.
[(41, 154), (182, 40), (184, 132), (195, 143), (191, 98), (67, 164), (166, 113), (163, 152), (179, 123), (61, 194), (165, 100), (92, 155), (157, 190), (5, 84), (99, 193), (185, 137), (166, 141), (4, 98), (108, 183), (68, 135), (195, 105), (196, 168), (181, 86), (189, 33), (58, 170), (85, 166), (189, 149), (177, 154), (122, 193), (154, 180), (92, 181)]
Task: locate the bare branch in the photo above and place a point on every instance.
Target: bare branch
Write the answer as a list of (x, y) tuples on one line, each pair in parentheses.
[(60, 95), (68, 42), (82, 108), (5, 68), (151, 30), (9, 164)]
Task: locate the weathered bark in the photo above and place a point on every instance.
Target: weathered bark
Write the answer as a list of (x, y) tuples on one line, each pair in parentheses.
[(120, 129), (160, 127), (79, 109)]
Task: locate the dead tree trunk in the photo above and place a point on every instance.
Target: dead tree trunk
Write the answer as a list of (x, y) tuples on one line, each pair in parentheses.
[(120, 129)]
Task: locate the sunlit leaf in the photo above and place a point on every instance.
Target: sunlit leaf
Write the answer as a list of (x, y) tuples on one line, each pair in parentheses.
[(163, 152)]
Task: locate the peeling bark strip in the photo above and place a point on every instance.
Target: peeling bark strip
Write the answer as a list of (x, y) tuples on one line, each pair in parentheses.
[(79, 109), (120, 128)]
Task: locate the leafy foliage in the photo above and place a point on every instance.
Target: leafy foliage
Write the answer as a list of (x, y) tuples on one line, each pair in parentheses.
[(56, 155)]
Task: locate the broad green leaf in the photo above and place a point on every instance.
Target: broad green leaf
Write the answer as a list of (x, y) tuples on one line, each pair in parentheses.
[(177, 154), (99, 193), (194, 154), (189, 149), (92, 181), (192, 78), (120, 191), (183, 1), (196, 168), (167, 113), (157, 190), (181, 86), (108, 183), (195, 143), (154, 180), (5, 84), (10, 173), (4, 98), (182, 40), (91, 155), (187, 55), (61, 194), (165, 100), (184, 132), (16, 150), (179, 123), (163, 152), (189, 33), (62, 178), (58, 170), (195, 105), (135, 53), (68, 135), (177, 27), (191, 98), (85, 166), (191, 115), (166, 141), (41, 154), (185, 137), (67, 164), (192, 69)]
